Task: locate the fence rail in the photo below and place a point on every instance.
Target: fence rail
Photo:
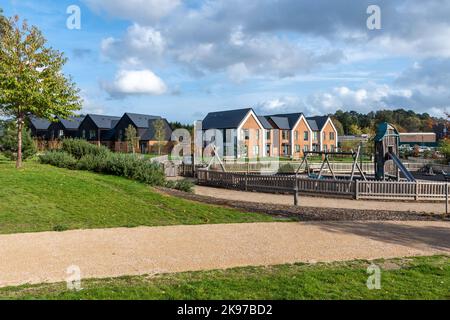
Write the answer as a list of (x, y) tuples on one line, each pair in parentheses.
[(380, 190), (292, 167)]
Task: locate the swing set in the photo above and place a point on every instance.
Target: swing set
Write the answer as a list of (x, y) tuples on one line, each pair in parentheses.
[(326, 162)]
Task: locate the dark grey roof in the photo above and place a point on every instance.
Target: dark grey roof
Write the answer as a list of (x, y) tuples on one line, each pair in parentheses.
[(317, 123), (292, 118), (104, 122), (39, 123), (265, 123), (71, 123), (225, 119), (141, 120), (282, 123), (149, 134)]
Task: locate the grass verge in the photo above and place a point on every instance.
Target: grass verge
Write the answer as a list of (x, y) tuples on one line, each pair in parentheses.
[(408, 278)]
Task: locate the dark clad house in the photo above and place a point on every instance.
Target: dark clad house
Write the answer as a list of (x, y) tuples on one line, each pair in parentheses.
[(99, 129), (39, 127), (65, 128), (145, 127)]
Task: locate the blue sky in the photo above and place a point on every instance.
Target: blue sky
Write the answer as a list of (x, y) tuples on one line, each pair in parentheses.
[(183, 59)]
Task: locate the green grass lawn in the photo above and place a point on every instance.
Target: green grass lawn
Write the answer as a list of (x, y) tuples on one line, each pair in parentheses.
[(44, 198), (412, 278)]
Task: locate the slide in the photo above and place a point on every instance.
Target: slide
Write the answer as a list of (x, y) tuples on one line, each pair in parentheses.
[(402, 168)]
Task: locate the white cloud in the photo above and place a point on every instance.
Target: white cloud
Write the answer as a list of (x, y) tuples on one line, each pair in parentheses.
[(141, 82), (140, 46), (143, 11)]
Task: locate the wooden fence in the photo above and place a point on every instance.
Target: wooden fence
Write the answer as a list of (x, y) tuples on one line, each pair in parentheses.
[(292, 167), (380, 190)]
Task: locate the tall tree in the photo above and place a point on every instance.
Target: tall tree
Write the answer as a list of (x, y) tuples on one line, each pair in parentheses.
[(131, 137), (31, 78), (160, 133)]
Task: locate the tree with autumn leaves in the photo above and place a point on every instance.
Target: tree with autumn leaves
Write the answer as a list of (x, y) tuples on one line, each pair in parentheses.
[(31, 78)]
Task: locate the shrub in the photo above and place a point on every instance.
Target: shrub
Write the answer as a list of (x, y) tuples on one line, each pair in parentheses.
[(184, 185), (118, 164), (80, 148), (8, 142), (58, 159)]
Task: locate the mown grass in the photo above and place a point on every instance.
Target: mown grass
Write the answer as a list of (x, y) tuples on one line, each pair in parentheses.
[(411, 278), (44, 198)]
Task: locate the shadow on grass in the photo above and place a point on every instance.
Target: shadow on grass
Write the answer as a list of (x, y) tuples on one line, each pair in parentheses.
[(418, 237)]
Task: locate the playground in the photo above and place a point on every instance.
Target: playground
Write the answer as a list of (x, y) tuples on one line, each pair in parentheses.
[(386, 178)]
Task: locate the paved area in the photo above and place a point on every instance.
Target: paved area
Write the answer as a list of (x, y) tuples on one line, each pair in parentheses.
[(317, 202), (45, 257)]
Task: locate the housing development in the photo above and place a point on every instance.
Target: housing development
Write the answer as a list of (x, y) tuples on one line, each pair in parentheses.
[(224, 156)]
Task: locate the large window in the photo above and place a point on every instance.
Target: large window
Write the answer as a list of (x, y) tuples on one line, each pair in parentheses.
[(246, 134), (297, 148), (256, 151), (296, 135), (306, 135), (92, 134), (285, 134), (315, 135), (332, 136), (268, 134)]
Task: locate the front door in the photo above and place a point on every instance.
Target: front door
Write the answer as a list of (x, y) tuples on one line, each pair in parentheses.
[(143, 147)]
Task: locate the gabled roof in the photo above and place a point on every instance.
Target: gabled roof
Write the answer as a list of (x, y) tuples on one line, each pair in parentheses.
[(225, 119), (141, 120), (39, 123), (71, 123), (282, 123), (385, 129), (104, 122), (265, 123), (292, 118), (317, 123), (149, 134)]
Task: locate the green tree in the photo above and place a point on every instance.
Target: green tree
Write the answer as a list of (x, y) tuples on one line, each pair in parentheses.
[(8, 142), (355, 130), (444, 148), (160, 133), (31, 78), (131, 137)]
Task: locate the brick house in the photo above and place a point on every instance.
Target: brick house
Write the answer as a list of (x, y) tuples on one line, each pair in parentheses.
[(280, 135), (231, 127)]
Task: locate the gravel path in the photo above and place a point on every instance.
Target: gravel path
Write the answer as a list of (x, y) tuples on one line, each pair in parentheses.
[(45, 257), (435, 208)]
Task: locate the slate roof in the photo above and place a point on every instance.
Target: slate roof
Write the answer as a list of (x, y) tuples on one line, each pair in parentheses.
[(225, 119), (292, 119), (72, 123), (104, 122), (282, 123), (317, 123), (149, 134), (141, 120), (265, 123), (39, 123)]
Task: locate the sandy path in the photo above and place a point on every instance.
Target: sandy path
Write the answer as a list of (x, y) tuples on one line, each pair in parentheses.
[(45, 257), (316, 202)]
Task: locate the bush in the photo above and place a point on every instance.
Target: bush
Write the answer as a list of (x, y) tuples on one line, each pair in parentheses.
[(8, 142), (81, 148), (59, 159), (182, 185)]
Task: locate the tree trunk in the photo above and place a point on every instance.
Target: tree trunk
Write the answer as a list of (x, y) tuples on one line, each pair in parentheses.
[(19, 142)]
